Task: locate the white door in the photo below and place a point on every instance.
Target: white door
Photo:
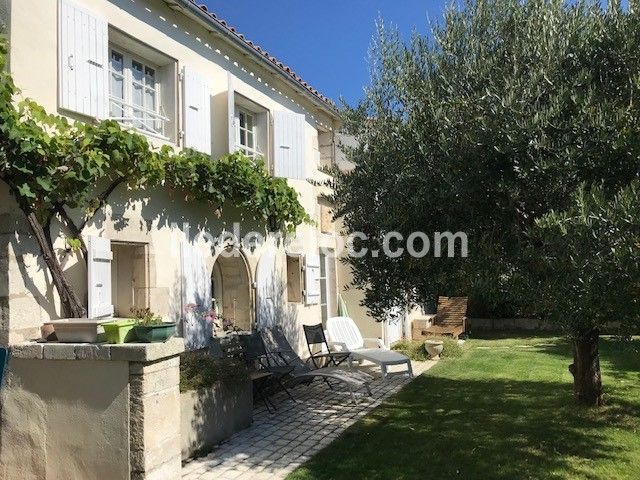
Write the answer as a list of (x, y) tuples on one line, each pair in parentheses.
[(99, 257), (196, 298), (393, 327)]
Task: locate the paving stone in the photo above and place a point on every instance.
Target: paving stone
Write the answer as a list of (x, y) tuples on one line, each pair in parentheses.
[(276, 444)]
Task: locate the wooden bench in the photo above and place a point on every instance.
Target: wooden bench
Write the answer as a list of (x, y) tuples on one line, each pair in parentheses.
[(451, 319)]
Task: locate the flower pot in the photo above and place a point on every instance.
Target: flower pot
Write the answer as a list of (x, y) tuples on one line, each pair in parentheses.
[(76, 330), (119, 331), (433, 348), (155, 333)]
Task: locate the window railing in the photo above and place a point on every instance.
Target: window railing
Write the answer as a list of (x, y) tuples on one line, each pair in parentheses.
[(150, 121), (249, 152)]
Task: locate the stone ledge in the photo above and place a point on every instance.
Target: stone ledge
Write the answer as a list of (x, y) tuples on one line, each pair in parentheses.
[(129, 352)]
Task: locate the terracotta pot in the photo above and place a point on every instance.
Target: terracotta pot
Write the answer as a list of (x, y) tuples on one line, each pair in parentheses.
[(433, 348)]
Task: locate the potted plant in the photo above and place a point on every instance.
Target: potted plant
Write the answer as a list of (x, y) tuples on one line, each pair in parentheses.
[(119, 331), (149, 327)]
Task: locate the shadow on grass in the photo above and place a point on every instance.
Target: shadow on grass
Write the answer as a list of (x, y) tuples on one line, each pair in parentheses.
[(466, 428)]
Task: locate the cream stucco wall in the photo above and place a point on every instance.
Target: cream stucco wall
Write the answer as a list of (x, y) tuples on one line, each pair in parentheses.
[(65, 419), (154, 218)]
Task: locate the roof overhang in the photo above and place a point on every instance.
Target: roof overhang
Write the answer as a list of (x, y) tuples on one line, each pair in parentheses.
[(217, 28)]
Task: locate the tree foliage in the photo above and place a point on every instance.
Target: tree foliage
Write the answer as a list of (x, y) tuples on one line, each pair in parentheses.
[(485, 126), (587, 261)]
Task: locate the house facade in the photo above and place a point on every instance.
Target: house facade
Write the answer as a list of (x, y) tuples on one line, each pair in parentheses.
[(182, 77)]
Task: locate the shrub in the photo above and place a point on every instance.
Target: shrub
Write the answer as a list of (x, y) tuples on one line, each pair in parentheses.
[(200, 370)]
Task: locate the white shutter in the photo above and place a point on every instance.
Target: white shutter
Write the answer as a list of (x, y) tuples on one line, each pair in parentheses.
[(83, 61), (197, 112), (99, 259), (231, 110), (312, 279), (196, 289), (266, 289), (289, 145)]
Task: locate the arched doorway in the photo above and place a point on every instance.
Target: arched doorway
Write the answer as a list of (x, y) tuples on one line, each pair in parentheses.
[(231, 289)]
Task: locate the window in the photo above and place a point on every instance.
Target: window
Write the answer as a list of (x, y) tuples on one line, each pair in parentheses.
[(246, 133), (324, 294), (328, 292), (134, 93)]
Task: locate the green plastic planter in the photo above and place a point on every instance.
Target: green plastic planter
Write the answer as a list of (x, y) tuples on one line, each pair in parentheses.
[(119, 331), (155, 333)]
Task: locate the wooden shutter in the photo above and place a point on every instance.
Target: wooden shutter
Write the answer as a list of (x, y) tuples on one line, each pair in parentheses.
[(312, 279), (83, 61), (231, 110), (266, 289), (196, 290), (289, 145), (99, 259), (197, 112)]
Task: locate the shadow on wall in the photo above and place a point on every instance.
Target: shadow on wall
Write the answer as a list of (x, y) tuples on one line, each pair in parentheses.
[(272, 308), (192, 325), (211, 415), (135, 215)]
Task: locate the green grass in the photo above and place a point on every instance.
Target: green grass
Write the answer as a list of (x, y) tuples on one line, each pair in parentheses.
[(415, 350), (503, 410)]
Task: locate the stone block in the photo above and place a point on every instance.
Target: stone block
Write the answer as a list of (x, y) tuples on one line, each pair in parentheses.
[(147, 352), (92, 352), (28, 350), (172, 468), (59, 351), (155, 455), (157, 381), (161, 417), (139, 368)]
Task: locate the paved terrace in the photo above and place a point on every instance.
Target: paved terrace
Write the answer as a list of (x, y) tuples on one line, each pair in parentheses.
[(276, 444)]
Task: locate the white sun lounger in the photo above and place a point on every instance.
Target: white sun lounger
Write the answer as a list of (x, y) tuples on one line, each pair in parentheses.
[(344, 335)]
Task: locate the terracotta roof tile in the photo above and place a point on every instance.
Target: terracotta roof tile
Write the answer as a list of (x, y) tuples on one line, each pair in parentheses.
[(288, 70)]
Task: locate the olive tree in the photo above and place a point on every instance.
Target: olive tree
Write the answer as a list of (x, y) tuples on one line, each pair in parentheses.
[(485, 126)]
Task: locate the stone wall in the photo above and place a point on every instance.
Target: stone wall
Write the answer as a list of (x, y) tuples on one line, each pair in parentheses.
[(211, 415), (509, 324)]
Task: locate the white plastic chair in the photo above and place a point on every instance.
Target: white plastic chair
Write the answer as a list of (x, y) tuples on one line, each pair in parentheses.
[(345, 335)]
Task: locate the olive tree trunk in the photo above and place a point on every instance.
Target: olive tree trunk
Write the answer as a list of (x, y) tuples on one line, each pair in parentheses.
[(587, 380), (71, 304)]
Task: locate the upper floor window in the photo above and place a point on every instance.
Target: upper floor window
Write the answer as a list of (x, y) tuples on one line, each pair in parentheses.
[(134, 93), (247, 133)]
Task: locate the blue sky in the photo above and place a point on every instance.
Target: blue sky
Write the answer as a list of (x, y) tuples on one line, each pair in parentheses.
[(325, 41)]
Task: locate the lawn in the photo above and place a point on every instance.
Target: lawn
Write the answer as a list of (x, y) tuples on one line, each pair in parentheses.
[(503, 410)]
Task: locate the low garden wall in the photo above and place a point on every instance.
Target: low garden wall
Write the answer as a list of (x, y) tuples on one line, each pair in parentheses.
[(211, 415), (216, 400), (509, 324)]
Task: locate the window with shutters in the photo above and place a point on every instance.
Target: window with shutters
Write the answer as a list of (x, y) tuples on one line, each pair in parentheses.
[(134, 93), (249, 127)]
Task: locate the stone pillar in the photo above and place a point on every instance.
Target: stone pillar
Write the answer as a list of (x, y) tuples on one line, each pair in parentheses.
[(155, 419)]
